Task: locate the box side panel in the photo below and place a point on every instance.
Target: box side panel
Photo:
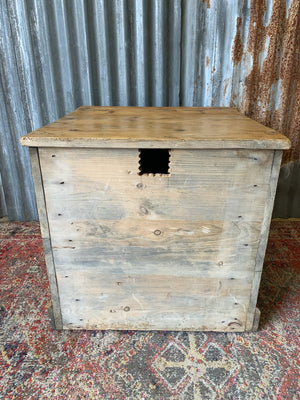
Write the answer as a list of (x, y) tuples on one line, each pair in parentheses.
[(170, 252), (263, 240), (41, 206)]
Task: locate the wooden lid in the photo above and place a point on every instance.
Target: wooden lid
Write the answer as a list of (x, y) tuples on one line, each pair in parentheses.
[(156, 127)]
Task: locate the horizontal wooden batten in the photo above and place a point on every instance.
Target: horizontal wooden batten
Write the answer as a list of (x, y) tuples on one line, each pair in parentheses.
[(118, 267), (138, 258), (143, 297), (211, 208), (189, 169), (131, 245), (160, 285), (211, 320), (152, 232), (165, 127), (104, 184)]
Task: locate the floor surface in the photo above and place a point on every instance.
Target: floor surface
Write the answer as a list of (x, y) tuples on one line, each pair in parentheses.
[(37, 362)]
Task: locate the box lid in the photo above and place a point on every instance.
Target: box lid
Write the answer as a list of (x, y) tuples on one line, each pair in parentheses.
[(156, 127)]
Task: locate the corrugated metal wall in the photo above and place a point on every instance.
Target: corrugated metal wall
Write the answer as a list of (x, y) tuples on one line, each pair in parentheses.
[(57, 55)]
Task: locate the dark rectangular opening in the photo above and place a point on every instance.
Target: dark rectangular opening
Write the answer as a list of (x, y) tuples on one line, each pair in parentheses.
[(154, 161)]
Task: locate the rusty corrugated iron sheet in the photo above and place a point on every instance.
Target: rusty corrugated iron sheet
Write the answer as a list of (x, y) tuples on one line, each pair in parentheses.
[(57, 55), (262, 75), (272, 88)]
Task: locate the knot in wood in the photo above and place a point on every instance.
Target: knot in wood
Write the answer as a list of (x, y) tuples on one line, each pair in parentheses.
[(144, 210)]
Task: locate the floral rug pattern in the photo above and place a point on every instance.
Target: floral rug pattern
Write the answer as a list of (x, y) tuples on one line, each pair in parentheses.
[(38, 362)]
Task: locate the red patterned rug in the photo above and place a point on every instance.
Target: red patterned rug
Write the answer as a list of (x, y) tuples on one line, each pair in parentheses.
[(38, 362)]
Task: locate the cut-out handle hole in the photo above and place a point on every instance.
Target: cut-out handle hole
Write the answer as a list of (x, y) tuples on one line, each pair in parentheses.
[(154, 161)]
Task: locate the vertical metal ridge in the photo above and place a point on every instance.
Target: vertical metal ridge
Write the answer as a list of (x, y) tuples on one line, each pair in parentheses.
[(138, 65), (42, 60), (174, 53), (118, 50), (99, 53), (188, 50), (157, 48), (78, 51), (61, 59)]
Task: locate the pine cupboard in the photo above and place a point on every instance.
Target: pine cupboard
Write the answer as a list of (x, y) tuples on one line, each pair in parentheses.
[(155, 218)]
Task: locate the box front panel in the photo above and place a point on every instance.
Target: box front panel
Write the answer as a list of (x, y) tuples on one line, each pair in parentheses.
[(174, 251)]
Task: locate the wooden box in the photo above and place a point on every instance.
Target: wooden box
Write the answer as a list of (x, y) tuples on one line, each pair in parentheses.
[(155, 218)]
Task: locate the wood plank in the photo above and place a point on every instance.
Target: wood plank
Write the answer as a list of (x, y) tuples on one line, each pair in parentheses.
[(90, 297), (191, 168), (198, 269), (251, 322), (256, 320), (166, 321), (147, 127), (165, 247), (163, 233), (157, 259), (39, 192), (159, 208), (154, 289), (41, 206), (105, 184), (52, 277)]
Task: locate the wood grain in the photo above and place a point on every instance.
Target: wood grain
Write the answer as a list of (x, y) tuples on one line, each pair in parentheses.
[(139, 301), (105, 184), (39, 192), (176, 251), (41, 206), (251, 317), (164, 127)]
